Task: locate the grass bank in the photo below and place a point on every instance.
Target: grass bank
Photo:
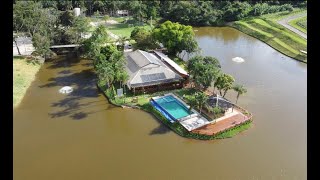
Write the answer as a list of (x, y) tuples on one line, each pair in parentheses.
[(275, 35), (266, 29), (143, 103), (23, 74), (300, 23), (280, 15)]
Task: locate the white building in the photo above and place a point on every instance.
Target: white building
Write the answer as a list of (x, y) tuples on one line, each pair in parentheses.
[(122, 13), (76, 11)]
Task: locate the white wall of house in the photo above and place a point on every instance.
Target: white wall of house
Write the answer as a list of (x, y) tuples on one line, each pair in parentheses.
[(76, 11)]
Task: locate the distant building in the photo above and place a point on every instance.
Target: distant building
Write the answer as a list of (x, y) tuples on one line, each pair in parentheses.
[(122, 13), (148, 73)]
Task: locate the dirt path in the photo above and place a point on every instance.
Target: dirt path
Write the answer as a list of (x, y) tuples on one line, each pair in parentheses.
[(284, 22)]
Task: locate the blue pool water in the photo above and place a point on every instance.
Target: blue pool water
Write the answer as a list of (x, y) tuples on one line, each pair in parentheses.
[(172, 106)]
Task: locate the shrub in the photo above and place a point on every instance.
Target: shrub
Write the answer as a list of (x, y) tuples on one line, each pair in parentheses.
[(218, 110), (287, 7)]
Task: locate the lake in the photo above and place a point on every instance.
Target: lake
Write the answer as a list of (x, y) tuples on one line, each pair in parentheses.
[(80, 136)]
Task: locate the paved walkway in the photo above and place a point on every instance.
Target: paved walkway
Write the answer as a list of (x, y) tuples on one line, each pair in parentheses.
[(284, 22), (230, 121)]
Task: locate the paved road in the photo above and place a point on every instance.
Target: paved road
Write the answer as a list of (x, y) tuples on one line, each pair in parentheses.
[(284, 22)]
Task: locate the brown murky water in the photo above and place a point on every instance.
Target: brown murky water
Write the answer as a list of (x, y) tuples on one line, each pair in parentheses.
[(80, 136)]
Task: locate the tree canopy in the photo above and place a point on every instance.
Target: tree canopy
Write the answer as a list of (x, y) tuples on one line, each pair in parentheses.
[(224, 83), (240, 89), (203, 70), (99, 38), (176, 37), (144, 38), (39, 23)]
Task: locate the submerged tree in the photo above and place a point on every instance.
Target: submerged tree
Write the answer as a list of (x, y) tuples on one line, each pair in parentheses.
[(240, 89)]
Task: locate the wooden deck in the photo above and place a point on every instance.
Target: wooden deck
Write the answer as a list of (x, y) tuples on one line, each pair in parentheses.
[(222, 125)]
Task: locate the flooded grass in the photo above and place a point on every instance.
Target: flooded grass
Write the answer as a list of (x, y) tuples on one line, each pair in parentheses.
[(23, 75)]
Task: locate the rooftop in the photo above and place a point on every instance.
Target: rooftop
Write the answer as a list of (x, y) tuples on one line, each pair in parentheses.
[(171, 63), (146, 69)]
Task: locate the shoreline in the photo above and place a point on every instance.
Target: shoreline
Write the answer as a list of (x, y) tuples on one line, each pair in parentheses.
[(24, 74), (179, 129), (303, 61)]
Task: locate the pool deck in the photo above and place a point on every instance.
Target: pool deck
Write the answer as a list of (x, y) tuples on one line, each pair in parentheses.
[(196, 123), (235, 118)]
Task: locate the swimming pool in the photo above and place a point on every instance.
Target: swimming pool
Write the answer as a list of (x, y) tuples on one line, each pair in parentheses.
[(170, 107)]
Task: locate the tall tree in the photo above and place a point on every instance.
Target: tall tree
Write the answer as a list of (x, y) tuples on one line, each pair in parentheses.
[(98, 39), (203, 70), (175, 37), (41, 44), (153, 9), (224, 83), (80, 27), (31, 18), (64, 5), (112, 60), (240, 89), (105, 72), (144, 39), (201, 99)]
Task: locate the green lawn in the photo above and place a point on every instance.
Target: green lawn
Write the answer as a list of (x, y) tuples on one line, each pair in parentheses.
[(300, 23), (123, 29), (23, 75), (266, 29), (118, 19)]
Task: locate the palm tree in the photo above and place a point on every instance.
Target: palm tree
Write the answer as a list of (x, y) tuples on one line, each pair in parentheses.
[(122, 40), (192, 102), (201, 99), (209, 108), (223, 83), (240, 89)]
